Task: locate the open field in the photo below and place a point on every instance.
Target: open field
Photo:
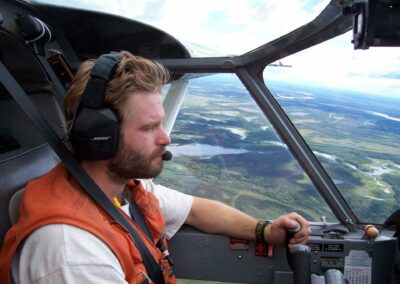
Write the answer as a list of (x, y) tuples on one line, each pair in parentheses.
[(237, 157)]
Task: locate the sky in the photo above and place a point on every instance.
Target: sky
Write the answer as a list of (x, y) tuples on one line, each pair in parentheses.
[(233, 27)]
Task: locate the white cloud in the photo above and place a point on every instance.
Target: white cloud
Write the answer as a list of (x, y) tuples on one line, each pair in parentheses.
[(335, 63), (231, 26)]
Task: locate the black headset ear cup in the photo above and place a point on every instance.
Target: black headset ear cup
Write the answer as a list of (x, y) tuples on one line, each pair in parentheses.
[(95, 130), (95, 134)]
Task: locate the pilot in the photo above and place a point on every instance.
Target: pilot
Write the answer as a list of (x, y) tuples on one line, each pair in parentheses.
[(63, 236)]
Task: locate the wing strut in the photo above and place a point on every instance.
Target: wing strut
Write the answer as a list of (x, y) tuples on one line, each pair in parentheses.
[(172, 103)]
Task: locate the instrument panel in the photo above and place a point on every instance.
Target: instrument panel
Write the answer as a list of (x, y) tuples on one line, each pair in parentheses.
[(214, 257)]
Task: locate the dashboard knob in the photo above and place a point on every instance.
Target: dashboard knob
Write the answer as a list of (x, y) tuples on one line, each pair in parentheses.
[(371, 231)]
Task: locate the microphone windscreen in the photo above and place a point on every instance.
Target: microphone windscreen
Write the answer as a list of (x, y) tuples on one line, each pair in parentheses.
[(167, 156)]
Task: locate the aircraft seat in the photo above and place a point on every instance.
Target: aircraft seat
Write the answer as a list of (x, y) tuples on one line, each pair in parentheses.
[(17, 167), (24, 155)]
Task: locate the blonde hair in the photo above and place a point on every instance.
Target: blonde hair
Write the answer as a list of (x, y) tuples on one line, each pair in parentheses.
[(134, 73)]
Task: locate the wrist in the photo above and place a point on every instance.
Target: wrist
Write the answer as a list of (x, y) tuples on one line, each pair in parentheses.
[(260, 230)]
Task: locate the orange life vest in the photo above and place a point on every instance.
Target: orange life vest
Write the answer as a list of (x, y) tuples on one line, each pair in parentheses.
[(57, 198)]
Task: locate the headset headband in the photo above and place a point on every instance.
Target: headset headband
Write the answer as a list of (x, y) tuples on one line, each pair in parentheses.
[(102, 72)]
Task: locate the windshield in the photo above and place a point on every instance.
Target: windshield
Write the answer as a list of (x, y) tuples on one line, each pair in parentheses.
[(212, 28), (346, 105)]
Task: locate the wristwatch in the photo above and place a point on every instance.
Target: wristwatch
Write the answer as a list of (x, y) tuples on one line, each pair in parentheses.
[(260, 230)]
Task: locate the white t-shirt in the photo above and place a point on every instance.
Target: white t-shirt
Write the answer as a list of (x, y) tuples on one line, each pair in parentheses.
[(60, 253)]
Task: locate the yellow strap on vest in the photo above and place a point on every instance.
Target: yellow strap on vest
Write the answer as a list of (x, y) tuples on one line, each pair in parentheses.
[(116, 202)]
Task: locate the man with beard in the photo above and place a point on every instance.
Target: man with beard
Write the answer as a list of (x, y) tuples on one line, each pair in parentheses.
[(63, 236)]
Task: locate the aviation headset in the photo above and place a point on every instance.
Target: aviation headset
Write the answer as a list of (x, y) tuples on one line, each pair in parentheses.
[(95, 129)]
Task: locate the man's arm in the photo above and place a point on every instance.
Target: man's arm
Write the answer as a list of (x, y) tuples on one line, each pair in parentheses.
[(215, 217)]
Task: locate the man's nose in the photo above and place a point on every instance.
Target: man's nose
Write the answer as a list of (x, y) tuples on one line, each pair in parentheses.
[(164, 138)]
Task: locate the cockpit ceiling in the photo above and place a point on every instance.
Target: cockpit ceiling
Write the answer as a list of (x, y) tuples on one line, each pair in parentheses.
[(209, 28), (92, 34)]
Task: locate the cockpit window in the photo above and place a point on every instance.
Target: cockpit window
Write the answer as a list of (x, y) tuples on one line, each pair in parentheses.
[(225, 149), (346, 105)]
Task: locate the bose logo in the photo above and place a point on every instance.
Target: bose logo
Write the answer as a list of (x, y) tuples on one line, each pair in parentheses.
[(101, 138)]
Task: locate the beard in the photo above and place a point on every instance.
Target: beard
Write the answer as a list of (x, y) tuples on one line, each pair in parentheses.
[(130, 164)]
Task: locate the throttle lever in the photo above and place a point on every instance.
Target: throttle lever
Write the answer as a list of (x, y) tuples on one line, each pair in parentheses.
[(291, 232), (299, 258)]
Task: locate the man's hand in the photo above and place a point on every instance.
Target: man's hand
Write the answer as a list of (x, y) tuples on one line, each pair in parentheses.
[(275, 233)]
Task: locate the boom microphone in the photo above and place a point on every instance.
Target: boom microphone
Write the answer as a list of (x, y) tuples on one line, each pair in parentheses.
[(167, 156)]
